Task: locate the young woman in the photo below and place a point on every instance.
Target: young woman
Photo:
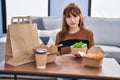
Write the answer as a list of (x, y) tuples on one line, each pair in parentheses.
[(73, 30)]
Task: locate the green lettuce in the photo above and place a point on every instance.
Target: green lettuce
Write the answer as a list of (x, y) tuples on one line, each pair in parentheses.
[(79, 45)]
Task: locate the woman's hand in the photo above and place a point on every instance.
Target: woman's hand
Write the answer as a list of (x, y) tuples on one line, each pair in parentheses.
[(58, 54), (76, 54)]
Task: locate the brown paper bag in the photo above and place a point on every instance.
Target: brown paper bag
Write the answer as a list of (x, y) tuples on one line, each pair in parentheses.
[(21, 39)]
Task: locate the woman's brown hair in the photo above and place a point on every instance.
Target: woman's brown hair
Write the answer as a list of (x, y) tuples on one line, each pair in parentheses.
[(71, 9)]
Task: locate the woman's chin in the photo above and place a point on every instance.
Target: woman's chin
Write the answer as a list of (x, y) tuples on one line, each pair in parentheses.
[(72, 26)]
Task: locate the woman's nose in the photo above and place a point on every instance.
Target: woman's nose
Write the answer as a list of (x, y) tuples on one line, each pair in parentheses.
[(72, 18)]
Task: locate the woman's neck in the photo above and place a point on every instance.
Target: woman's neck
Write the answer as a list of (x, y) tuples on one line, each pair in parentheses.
[(74, 30)]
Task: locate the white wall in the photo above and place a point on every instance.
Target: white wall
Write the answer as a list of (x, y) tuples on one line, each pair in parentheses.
[(26, 8), (105, 8)]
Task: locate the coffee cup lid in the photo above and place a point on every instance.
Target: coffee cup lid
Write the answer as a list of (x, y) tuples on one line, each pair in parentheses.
[(40, 51)]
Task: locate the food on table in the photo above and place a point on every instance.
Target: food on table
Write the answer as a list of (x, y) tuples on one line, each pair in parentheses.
[(79, 45), (98, 55)]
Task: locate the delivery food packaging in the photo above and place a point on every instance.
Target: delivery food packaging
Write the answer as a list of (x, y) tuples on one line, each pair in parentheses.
[(41, 58), (21, 39), (79, 47), (94, 57), (77, 50), (51, 52)]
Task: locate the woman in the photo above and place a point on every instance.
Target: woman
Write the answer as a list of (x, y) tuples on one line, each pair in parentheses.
[(73, 30)]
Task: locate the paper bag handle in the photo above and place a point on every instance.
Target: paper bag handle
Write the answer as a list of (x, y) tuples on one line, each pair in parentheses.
[(21, 18)]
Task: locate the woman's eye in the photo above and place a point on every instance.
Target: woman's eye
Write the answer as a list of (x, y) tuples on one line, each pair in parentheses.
[(67, 16), (75, 15)]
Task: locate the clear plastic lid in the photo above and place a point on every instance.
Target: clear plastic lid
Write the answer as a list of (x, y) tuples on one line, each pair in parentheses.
[(40, 51)]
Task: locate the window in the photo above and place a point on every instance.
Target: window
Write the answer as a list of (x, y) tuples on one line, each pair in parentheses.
[(56, 6), (105, 8), (12, 8), (26, 8), (3, 9)]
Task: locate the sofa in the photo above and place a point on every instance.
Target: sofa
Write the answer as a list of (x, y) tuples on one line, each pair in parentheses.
[(106, 32)]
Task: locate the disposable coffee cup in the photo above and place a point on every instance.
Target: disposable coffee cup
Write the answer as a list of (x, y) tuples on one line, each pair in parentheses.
[(41, 58)]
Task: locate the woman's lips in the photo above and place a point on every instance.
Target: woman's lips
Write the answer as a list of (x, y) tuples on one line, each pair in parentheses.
[(72, 23)]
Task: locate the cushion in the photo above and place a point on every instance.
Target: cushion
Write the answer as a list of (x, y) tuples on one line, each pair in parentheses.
[(110, 49), (51, 23), (39, 22), (106, 30), (48, 37)]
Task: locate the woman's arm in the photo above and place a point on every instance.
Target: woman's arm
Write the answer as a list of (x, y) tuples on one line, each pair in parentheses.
[(91, 40)]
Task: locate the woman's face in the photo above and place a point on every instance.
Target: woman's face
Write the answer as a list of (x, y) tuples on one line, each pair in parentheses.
[(72, 21)]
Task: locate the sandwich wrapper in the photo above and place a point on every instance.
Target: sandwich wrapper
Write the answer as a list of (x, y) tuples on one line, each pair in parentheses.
[(95, 59), (51, 52), (78, 50), (79, 47)]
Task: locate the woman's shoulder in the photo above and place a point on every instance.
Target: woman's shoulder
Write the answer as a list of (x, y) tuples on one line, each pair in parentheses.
[(87, 30), (59, 33)]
